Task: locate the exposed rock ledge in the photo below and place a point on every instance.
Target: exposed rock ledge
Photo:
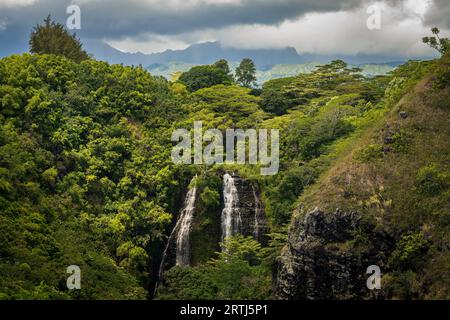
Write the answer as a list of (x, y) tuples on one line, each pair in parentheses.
[(327, 256)]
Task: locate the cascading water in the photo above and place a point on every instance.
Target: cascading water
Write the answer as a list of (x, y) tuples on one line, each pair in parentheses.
[(231, 217), (180, 234), (184, 229)]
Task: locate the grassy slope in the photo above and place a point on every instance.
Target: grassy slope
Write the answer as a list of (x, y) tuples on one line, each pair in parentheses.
[(379, 179)]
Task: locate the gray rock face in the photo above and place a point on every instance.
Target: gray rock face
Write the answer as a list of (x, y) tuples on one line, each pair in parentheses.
[(323, 260)]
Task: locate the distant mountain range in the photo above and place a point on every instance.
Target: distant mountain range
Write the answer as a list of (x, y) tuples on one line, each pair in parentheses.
[(209, 52), (270, 63)]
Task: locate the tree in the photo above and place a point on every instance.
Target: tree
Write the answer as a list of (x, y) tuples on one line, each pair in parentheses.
[(232, 102), (275, 98), (203, 77), (245, 73), (237, 273), (440, 44), (71, 135), (222, 64), (53, 38)]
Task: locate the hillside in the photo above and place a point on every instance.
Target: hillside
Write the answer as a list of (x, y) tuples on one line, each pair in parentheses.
[(84, 150), (87, 178), (384, 201)]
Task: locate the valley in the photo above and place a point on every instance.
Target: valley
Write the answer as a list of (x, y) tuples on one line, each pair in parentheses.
[(331, 171)]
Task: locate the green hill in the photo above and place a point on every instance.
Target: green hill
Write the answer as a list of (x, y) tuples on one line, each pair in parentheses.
[(396, 175), (86, 175)]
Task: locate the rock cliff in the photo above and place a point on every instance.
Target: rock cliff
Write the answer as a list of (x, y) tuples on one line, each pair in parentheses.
[(327, 256)]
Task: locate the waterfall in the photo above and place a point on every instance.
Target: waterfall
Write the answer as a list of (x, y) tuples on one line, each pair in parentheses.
[(184, 229), (231, 217), (180, 233)]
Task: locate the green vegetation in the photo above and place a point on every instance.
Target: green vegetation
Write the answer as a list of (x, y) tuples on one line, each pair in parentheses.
[(442, 45), (205, 76), (431, 181), (274, 72), (53, 38), (397, 175), (323, 110), (411, 252), (222, 64), (246, 73), (86, 176), (275, 99), (205, 233), (236, 273)]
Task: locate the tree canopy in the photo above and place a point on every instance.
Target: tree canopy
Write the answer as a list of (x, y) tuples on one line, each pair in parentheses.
[(222, 64), (442, 45), (53, 38), (246, 73), (203, 77)]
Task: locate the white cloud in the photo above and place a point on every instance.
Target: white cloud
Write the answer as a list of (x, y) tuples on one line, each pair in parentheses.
[(16, 3), (342, 32), (154, 44), (318, 26), (3, 25)]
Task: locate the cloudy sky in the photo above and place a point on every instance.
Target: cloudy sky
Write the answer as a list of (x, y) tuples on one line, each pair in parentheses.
[(314, 26)]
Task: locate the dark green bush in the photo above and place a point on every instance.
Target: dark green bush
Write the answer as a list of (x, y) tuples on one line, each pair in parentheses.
[(411, 252), (430, 180)]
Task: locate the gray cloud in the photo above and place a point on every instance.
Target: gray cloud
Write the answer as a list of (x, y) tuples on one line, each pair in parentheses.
[(117, 19), (439, 14), (123, 18)]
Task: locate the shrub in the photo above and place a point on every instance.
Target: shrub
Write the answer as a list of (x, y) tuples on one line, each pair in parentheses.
[(430, 181), (237, 273), (401, 141), (442, 78), (370, 152), (411, 252), (401, 285), (210, 197)]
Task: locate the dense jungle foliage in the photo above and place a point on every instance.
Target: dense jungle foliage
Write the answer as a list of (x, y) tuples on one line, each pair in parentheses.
[(86, 176)]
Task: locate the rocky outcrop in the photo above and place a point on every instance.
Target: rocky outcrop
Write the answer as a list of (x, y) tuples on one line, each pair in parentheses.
[(327, 256)]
